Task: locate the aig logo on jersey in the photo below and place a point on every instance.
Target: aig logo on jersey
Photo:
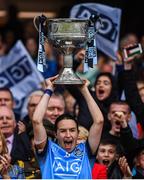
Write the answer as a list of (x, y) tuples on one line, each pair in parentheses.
[(108, 29)]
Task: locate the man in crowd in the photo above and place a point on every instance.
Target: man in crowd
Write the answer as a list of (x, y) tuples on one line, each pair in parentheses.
[(17, 141), (55, 108), (6, 99), (118, 110)]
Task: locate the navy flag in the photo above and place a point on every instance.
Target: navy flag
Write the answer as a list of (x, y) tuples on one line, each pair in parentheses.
[(108, 35)]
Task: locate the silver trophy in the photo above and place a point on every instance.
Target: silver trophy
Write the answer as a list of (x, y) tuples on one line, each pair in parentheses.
[(66, 34)]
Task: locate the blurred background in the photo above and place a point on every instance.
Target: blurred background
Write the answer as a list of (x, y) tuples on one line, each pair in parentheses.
[(132, 11)]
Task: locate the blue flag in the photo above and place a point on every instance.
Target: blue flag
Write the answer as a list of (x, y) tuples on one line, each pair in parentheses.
[(19, 73), (108, 35)]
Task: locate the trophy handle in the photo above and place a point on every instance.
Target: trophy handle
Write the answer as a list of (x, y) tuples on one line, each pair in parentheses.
[(36, 22), (96, 19)]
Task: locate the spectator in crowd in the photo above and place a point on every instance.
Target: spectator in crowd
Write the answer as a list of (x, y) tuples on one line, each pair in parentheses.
[(99, 171), (29, 30), (140, 87), (105, 92), (18, 143), (7, 170), (129, 38), (55, 108), (54, 157), (105, 63), (138, 169), (31, 167), (133, 87), (132, 146), (6, 99), (118, 111), (126, 40), (32, 47), (108, 156), (32, 102)]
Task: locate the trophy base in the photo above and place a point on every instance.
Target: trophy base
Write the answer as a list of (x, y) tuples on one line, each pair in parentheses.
[(67, 76)]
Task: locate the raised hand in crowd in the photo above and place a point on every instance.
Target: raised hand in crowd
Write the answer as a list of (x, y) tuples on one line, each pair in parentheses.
[(128, 61), (133, 82), (4, 165), (21, 127), (119, 111), (125, 167), (7, 169), (123, 120)]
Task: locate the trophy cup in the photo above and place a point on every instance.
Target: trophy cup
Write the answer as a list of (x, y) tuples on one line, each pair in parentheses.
[(66, 34)]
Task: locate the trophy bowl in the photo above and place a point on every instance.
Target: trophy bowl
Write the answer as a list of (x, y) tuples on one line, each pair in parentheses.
[(66, 35)]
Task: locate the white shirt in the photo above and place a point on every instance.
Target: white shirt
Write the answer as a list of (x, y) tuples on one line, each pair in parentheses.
[(9, 142)]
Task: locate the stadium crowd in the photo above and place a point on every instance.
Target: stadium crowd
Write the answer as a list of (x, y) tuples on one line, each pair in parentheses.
[(90, 131)]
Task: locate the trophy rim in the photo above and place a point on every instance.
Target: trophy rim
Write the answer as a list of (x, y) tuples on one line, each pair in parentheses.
[(67, 20), (36, 21)]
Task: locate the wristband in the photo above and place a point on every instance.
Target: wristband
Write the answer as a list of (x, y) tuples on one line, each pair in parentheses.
[(48, 92)]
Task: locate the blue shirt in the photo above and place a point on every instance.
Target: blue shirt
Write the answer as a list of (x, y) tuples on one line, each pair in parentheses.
[(56, 163)]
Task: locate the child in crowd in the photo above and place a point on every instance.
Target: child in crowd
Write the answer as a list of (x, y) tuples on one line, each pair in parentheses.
[(111, 166), (138, 170)]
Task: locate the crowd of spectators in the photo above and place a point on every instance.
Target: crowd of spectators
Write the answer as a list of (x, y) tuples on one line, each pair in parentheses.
[(101, 123)]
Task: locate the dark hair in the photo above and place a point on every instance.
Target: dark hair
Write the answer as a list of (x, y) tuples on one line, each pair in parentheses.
[(65, 116), (7, 90), (121, 102), (106, 141), (113, 142), (74, 109), (114, 90), (107, 74), (139, 150)]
